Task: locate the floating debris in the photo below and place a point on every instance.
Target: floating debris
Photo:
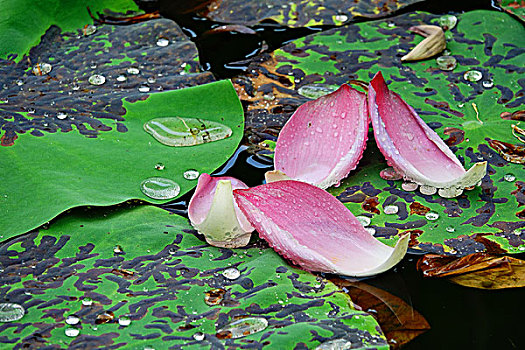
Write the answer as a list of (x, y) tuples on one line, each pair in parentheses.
[(89, 29), (432, 216), (144, 88), (105, 317), (97, 79), (160, 188), (473, 75), (10, 312), (391, 209), (337, 344), (214, 297), (72, 332), (432, 45), (133, 70), (231, 273), (364, 220), (518, 132), (42, 69), (122, 78), (163, 42), (124, 321), (191, 174), (87, 301), (448, 22), (118, 249), (61, 115), (314, 91), (427, 190), (446, 62), (199, 336), (509, 177), (159, 166), (509, 152), (409, 186), (178, 131), (243, 327), (72, 319)]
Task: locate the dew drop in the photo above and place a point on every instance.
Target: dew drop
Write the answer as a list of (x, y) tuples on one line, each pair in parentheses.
[(487, 84), (390, 174), (427, 190), (124, 321), (473, 76), (191, 174), (341, 18), (97, 79), (42, 69), (214, 296), (72, 319), (152, 80), (10, 312), (432, 216), (450, 192), (232, 273), (446, 63), (87, 301), (159, 166), (337, 344), (89, 29), (448, 21), (199, 336), (509, 177), (163, 42), (242, 327), (118, 249), (450, 229), (61, 115), (177, 131), (19, 82), (144, 88), (160, 188), (370, 230), (72, 332), (121, 78), (409, 186), (314, 91), (149, 347), (133, 70), (363, 220), (391, 209)]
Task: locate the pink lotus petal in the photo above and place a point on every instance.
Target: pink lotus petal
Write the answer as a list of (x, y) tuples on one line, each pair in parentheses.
[(214, 213), (314, 230), (324, 139), (412, 147)]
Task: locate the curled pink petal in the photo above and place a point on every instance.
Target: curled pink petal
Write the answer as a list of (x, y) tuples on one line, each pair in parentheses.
[(412, 147), (324, 139), (214, 213), (314, 230)]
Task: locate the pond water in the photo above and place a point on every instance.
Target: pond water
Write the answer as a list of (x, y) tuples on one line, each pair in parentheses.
[(460, 317)]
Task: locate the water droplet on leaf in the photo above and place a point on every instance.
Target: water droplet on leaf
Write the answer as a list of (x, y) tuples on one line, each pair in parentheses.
[(122, 78), (144, 88), (97, 79), (61, 115), (232, 273), (118, 249), (473, 75), (487, 84), (363, 220), (72, 332), (160, 188), (448, 21), (427, 190), (10, 312), (509, 177), (42, 69), (432, 216), (336, 344), (191, 174), (72, 319), (87, 301), (89, 29), (409, 186), (391, 209), (159, 166), (446, 62), (133, 70), (243, 327), (162, 42), (177, 131), (124, 321), (450, 229), (199, 336), (315, 91), (341, 18)]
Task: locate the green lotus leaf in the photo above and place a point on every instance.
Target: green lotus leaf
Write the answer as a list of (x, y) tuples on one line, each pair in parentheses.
[(150, 266), (23, 22), (464, 113), (300, 13)]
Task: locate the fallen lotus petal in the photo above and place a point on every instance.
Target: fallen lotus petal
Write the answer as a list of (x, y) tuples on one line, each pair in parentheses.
[(213, 212), (324, 139), (313, 229), (412, 148), (433, 43)]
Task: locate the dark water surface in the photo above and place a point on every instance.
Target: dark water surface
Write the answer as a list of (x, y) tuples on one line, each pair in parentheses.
[(460, 317)]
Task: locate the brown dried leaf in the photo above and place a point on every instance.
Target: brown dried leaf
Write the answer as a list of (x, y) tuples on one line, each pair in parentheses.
[(433, 43)]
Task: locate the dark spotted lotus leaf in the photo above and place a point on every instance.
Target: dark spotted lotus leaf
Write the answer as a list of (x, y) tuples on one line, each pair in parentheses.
[(23, 22), (151, 267), (300, 13), (516, 7), (465, 114)]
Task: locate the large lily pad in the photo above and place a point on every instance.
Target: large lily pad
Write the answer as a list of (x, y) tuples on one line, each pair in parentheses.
[(151, 267), (487, 218), (23, 22), (300, 13)]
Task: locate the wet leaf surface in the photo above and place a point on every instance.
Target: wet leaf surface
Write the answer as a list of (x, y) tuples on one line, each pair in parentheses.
[(466, 114), (398, 320), (70, 269), (515, 7), (300, 13), (477, 270)]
